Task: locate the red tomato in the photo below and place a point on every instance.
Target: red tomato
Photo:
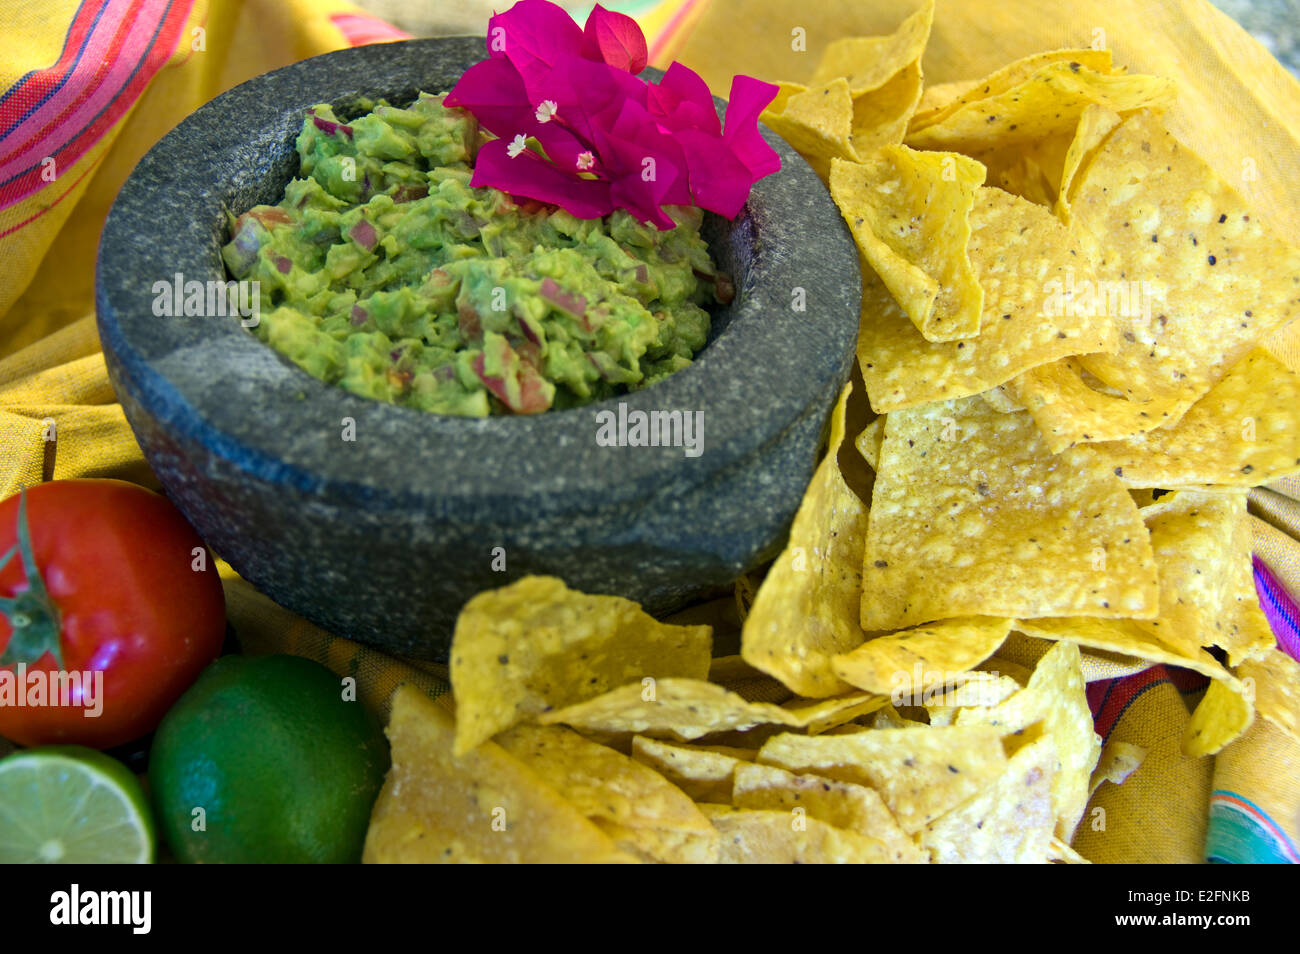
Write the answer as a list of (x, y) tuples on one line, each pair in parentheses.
[(124, 588)]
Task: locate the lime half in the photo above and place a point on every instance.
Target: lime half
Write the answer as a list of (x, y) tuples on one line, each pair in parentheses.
[(72, 805)]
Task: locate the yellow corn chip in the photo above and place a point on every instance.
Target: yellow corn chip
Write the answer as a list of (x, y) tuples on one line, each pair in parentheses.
[(869, 62), (971, 515), (1047, 104), (485, 806), (664, 846), (920, 775), (1148, 208), (869, 441), (1068, 411), (1223, 714), (1095, 124), (537, 645), (803, 614), (913, 661), (818, 122), (1009, 822), (910, 215), (703, 772), (1118, 761), (954, 96), (1241, 434), (844, 805), (784, 838), (1056, 697), (880, 116), (1274, 682), (685, 709), (1024, 259), (819, 715), (600, 782)]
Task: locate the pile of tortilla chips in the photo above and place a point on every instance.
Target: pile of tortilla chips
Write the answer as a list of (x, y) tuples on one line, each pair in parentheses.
[(1038, 478), (584, 730)]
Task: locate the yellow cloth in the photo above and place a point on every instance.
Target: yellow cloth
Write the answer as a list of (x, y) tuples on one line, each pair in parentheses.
[(58, 417)]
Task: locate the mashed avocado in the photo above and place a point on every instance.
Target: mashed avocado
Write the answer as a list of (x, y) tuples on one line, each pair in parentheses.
[(384, 272)]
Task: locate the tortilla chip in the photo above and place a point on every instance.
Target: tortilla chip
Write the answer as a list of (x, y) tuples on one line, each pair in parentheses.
[(869, 441), (783, 838), (1118, 761), (1223, 714), (1061, 853), (685, 709), (664, 846), (1056, 697), (972, 516), (1068, 411), (703, 772), (1047, 104), (1020, 254), (818, 122), (1009, 822), (973, 688), (803, 614), (1147, 207), (869, 62), (920, 775), (485, 806), (1198, 546), (819, 715), (910, 662), (1241, 434), (600, 782), (1219, 718), (946, 101), (844, 805), (1095, 124), (536, 645), (880, 117), (1274, 681), (1124, 637), (909, 212)]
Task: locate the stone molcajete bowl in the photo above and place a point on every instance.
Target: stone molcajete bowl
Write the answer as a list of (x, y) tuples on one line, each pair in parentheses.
[(384, 537)]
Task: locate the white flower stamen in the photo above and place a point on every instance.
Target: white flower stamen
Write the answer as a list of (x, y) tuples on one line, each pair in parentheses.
[(517, 145), (585, 161), (546, 110)]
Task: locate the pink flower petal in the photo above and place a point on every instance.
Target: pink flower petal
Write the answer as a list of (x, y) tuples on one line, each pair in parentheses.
[(681, 100), (533, 35), (749, 97), (614, 38), (494, 92), (720, 182), (533, 177)]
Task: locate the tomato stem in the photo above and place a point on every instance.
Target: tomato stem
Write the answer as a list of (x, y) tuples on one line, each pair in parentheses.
[(32, 616)]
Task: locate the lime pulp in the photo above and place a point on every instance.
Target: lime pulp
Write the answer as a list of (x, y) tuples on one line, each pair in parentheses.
[(72, 805)]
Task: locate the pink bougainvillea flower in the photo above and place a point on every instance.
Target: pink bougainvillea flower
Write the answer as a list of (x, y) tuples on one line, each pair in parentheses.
[(681, 100), (531, 176), (749, 97), (532, 35), (577, 128), (614, 38)]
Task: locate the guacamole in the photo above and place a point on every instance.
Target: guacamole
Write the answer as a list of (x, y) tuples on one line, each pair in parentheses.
[(384, 272)]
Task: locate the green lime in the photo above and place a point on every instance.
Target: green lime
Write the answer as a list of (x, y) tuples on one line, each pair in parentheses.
[(67, 804), (267, 759)]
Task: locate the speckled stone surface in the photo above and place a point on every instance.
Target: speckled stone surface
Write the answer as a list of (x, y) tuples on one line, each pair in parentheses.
[(383, 539)]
